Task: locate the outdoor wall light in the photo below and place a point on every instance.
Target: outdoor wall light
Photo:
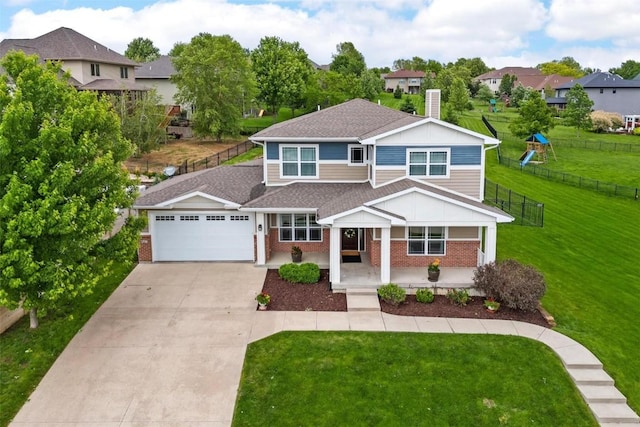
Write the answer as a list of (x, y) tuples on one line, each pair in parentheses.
[(259, 227)]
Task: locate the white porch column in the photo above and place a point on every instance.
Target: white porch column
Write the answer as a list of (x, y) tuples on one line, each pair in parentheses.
[(385, 255), (334, 255), (261, 228), (490, 243)]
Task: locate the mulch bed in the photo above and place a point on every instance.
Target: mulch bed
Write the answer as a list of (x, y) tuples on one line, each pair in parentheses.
[(319, 297)]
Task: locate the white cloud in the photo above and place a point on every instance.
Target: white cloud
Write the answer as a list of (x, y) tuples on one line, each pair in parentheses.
[(383, 30)]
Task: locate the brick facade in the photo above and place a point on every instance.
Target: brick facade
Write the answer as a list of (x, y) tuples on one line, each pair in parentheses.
[(144, 248), (274, 245), (459, 254)]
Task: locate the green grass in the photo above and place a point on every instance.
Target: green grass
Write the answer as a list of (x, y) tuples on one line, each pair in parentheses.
[(588, 252), (254, 153), (27, 354), (404, 379)]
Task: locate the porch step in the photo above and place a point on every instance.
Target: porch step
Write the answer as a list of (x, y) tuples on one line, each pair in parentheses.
[(362, 299)]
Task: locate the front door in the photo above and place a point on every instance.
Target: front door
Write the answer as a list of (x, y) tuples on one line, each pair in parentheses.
[(350, 239)]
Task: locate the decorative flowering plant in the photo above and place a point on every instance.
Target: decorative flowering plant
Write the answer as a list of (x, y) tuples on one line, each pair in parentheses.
[(435, 265), (263, 298), (491, 304)]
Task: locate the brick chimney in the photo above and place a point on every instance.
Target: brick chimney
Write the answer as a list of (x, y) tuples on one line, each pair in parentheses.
[(432, 103)]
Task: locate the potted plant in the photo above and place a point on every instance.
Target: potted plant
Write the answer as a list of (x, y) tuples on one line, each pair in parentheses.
[(263, 299), (296, 254), (491, 305), (434, 270)]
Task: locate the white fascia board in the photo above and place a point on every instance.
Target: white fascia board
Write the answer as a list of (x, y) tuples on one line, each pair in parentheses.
[(485, 138), (227, 203), (305, 139), (393, 219), (280, 210)]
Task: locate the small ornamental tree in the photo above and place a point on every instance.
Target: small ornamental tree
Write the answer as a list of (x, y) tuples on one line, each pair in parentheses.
[(61, 180), (577, 112), (515, 285), (407, 106), (397, 93)]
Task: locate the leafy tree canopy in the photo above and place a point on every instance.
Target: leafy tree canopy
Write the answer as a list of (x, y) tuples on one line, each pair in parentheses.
[(177, 49), (213, 73), (140, 118), (506, 84), (348, 60), (629, 69), (578, 110), (142, 50), (534, 116), (566, 66), (459, 95), (282, 70), (485, 93), (61, 179)]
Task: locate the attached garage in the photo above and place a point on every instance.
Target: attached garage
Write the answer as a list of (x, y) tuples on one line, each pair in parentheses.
[(202, 236)]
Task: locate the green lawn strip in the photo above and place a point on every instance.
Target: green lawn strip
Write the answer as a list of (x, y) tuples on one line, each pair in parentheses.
[(27, 354), (588, 252), (254, 153), (400, 379)]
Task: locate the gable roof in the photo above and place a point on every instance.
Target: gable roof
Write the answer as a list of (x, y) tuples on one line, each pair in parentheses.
[(161, 68), (65, 44), (237, 184), (512, 71), (540, 82), (351, 120), (405, 74), (602, 80)]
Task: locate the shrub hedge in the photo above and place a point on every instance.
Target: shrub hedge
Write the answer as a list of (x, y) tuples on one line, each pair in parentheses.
[(307, 272)]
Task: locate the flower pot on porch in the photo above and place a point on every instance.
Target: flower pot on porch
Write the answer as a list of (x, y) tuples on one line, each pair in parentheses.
[(297, 257), (434, 275)]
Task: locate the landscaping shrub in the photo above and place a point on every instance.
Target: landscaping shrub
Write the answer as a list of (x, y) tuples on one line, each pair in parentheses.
[(424, 295), (307, 272), (392, 293), (516, 285), (458, 297)]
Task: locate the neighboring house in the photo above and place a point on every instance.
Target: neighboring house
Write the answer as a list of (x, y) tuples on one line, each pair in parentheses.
[(609, 92), (157, 74), (494, 78), (409, 81), (401, 190), (92, 66), (542, 83)]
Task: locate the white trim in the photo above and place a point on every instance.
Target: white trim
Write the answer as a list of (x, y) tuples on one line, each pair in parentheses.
[(364, 155), (227, 203), (393, 220), (426, 239), (427, 164), (299, 161), (280, 210), (292, 139), (293, 228)]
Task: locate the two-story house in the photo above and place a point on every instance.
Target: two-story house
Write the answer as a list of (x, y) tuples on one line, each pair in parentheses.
[(493, 78), (92, 66), (609, 92), (408, 81), (398, 189)]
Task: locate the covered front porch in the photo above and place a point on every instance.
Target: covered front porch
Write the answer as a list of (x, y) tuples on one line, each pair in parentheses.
[(363, 275)]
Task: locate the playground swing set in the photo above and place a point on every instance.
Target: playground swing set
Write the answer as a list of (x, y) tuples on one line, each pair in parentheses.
[(537, 145)]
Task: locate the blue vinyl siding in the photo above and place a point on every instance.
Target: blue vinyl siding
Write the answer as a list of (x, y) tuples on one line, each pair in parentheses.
[(328, 150), (397, 155)]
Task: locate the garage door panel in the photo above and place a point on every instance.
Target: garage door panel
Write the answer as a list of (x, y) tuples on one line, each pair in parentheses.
[(202, 237)]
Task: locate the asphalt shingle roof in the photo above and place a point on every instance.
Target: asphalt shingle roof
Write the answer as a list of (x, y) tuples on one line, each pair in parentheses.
[(161, 68), (405, 74), (355, 119), (65, 44), (602, 80)]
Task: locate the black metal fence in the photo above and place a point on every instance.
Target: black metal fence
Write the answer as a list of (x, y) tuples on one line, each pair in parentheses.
[(491, 129), (577, 181), (216, 159), (526, 211), (630, 147)]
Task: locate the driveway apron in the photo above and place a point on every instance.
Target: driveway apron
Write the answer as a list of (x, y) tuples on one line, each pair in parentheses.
[(166, 348)]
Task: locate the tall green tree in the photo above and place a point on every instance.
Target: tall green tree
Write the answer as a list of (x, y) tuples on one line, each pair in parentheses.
[(140, 118), (458, 95), (282, 70), (61, 180), (506, 84), (371, 84), (629, 69), (534, 116), (485, 93), (566, 66), (177, 49), (578, 110), (141, 49), (348, 60), (213, 73)]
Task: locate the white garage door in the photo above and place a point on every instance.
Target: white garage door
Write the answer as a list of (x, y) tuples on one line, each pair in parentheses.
[(212, 236)]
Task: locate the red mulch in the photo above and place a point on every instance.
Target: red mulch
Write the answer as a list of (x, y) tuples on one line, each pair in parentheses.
[(286, 296)]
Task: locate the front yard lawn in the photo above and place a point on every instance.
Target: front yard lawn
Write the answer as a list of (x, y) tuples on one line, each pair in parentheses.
[(405, 379)]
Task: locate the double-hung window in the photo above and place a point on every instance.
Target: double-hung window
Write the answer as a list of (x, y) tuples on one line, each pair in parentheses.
[(124, 73), (301, 162), (426, 241), (95, 70), (299, 227), (428, 163)]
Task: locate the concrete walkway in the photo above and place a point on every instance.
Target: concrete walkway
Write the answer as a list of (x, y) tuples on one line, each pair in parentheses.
[(167, 349)]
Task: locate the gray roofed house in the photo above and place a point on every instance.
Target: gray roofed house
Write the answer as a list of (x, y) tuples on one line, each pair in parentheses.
[(92, 65), (157, 74), (609, 92), (395, 189)]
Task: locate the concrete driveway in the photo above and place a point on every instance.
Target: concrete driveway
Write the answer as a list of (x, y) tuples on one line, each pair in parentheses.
[(165, 349)]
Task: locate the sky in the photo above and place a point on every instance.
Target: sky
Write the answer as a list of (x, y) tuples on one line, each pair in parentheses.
[(599, 34)]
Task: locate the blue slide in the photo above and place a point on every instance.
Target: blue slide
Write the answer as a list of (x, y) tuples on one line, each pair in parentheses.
[(526, 159)]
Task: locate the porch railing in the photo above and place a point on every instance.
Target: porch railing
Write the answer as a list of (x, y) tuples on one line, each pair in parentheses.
[(480, 257)]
